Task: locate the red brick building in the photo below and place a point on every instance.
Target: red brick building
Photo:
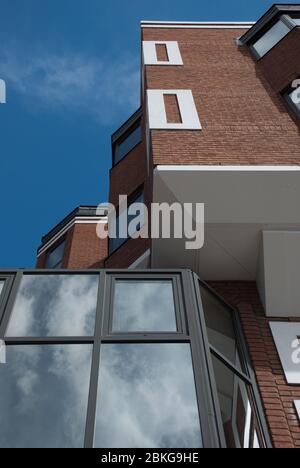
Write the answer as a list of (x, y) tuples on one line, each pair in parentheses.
[(218, 124)]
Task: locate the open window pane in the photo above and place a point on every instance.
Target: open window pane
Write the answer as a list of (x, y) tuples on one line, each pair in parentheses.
[(144, 306), (220, 325), (271, 38), (239, 421), (44, 395), (55, 305), (147, 397)]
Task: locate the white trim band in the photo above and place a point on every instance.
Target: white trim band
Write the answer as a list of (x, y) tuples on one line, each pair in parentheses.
[(76, 220)]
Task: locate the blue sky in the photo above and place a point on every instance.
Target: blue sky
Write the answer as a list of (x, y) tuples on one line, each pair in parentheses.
[(72, 74)]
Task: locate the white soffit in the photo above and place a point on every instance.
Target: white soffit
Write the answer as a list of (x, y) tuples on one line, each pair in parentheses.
[(286, 337), (157, 111), (240, 203), (150, 54)]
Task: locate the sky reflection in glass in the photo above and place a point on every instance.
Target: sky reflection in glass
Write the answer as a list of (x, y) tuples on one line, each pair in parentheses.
[(55, 305), (147, 397), (144, 306), (44, 395)]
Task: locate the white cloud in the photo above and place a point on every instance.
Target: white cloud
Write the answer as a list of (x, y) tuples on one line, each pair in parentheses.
[(64, 83)]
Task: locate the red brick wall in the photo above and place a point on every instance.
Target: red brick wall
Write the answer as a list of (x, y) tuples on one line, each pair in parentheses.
[(277, 396), (282, 64), (83, 249), (244, 120), (128, 175), (86, 249)]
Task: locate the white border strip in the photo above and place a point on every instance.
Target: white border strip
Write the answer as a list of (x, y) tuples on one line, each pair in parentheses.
[(198, 25), (76, 220), (200, 168)]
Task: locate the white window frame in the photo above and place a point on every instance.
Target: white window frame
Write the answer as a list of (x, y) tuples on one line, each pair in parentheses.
[(173, 51), (157, 112)]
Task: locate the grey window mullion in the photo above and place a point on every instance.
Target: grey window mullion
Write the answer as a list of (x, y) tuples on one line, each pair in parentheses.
[(208, 421), (230, 366), (10, 303), (146, 338), (212, 380), (92, 399), (42, 340)]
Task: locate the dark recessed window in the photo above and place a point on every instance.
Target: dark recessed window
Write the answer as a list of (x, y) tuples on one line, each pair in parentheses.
[(115, 243), (55, 257), (123, 146)]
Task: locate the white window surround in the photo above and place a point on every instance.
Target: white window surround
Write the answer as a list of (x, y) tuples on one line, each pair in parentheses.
[(157, 111), (286, 337), (150, 54)]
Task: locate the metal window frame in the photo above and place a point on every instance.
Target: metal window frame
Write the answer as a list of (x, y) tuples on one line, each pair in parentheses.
[(134, 277), (287, 20), (193, 332), (248, 377)]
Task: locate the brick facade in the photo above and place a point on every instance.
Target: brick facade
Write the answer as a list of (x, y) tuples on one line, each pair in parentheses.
[(245, 121), (277, 396)]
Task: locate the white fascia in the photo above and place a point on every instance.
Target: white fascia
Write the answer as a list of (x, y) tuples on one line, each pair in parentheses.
[(76, 220)]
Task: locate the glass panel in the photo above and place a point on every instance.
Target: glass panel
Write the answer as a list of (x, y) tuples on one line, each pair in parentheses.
[(54, 258), (147, 397), (144, 306), (114, 244), (220, 325), (43, 396), (297, 21), (125, 146), (239, 420), (271, 38), (1, 285), (55, 305)]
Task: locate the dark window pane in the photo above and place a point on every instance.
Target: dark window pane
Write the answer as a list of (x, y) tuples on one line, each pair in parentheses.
[(55, 305), (147, 397), (144, 306), (43, 396), (55, 257), (124, 147), (271, 38), (239, 421), (114, 244), (220, 325)]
